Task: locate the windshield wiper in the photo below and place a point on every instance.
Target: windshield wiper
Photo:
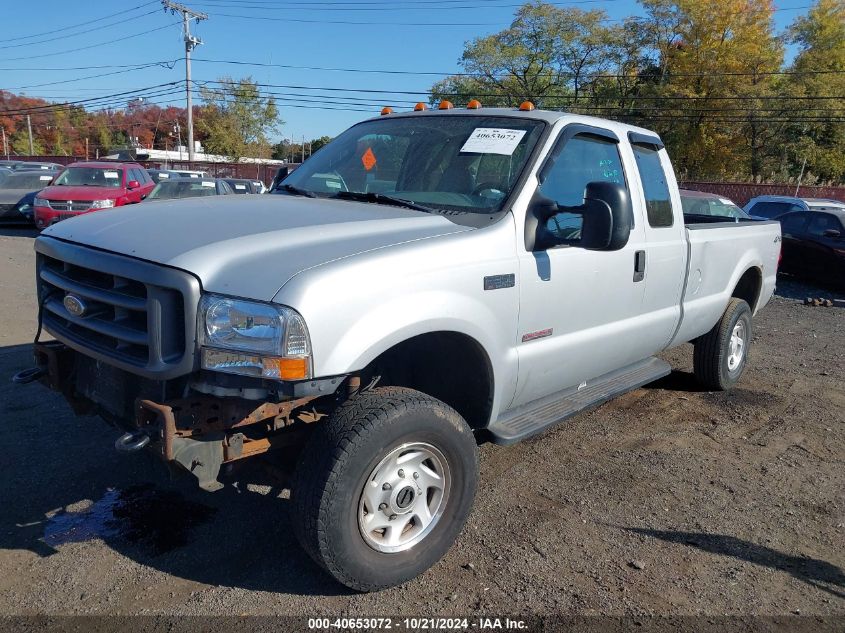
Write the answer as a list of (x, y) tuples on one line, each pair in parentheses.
[(297, 191), (380, 198)]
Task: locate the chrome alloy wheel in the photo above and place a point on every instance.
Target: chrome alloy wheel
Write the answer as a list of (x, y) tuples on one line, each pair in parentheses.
[(737, 346), (404, 497)]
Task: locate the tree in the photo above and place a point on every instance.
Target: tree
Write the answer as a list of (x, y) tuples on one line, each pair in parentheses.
[(548, 55), (237, 119), (818, 83), (317, 143)]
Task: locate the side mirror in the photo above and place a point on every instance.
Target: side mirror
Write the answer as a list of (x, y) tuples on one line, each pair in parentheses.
[(831, 233), (133, 184), (607, 216)]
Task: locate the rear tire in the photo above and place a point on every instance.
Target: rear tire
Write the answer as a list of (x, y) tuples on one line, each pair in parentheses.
[(720, 355), (383, 487)]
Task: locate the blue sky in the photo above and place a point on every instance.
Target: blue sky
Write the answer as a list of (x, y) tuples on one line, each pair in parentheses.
[(426, 36)]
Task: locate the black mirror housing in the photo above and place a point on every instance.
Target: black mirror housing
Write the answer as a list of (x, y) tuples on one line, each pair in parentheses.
[(608, 216), (831, 233)]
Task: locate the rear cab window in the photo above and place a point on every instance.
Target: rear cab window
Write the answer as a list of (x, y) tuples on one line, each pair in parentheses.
[(658, 200), (772, 209)]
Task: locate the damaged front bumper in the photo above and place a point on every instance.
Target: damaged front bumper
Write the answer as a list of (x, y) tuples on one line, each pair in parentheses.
[(200, 433)]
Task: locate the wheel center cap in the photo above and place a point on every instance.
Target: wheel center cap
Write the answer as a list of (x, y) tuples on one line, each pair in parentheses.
[(405, 497)]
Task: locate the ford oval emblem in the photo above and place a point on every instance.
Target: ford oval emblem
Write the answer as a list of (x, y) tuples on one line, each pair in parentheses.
[(74, 305)]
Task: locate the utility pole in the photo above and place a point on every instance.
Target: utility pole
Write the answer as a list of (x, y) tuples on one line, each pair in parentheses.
[(86, 148), (5, 147), (303, 148), (29, 127), (191, 43)]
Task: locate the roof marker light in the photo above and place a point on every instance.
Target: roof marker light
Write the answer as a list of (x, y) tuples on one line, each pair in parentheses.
[(386, 110), (474, 104), (420, 107), (445, 105), (526, 106)]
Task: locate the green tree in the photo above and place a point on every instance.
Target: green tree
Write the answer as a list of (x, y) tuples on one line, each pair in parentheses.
[(237, 119), (818, 83)]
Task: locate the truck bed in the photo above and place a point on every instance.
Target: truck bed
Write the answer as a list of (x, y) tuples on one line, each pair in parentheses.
[(719, 253)]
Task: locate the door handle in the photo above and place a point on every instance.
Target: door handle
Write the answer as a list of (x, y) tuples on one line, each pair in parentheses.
[(639, 266)]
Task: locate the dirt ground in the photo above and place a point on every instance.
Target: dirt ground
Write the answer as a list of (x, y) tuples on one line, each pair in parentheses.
[(669, 500)]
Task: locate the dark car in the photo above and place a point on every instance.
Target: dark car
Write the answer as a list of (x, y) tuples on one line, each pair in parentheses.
[(162, 174), (175, 188), (814, 245), (244, 185), (17, 193), (16, 165), (709, 206)]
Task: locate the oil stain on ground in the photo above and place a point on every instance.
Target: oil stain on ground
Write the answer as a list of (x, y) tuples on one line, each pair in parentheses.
[(158, 520)]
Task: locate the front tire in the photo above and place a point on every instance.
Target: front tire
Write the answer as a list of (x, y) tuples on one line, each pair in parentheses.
[(384, 487), (720, 355)]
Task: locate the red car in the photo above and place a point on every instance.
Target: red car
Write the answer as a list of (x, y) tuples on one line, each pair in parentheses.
[(90, 186)]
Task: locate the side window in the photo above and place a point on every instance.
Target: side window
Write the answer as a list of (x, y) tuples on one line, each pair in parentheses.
[(657, 199), (794, 223), (771, 209), (584, 159), (822, 222)]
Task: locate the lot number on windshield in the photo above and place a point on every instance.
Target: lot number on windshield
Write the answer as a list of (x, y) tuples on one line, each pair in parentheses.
[(491, 140)]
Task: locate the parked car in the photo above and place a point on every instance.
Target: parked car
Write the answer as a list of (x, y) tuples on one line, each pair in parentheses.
[(189, 188), (427, 281), (814, 245), (188, 173), (244, 185), (24, 164), (4, 171), (162, 174), (17, 193), (772, 207), (710, 207), (91, 186)]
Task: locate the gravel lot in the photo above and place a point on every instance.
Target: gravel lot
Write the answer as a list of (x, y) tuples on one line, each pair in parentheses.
[(667, 501)]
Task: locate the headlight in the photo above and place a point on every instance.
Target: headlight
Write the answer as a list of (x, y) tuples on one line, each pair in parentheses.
[(253, 339), (102, 204), (41, 202)]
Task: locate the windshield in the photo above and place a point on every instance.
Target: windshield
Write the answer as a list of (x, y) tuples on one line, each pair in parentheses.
[(456, 163), (29, 180), (90, 177), (193, 188), (718, 207)]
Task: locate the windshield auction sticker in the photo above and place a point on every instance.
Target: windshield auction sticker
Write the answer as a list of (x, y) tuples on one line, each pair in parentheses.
[(492, 140)]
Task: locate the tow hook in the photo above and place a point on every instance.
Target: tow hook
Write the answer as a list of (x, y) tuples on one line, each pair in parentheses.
[(29, 375), (131, 442)]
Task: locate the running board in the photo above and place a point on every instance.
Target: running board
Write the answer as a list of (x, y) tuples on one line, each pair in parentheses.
[(537, 416)]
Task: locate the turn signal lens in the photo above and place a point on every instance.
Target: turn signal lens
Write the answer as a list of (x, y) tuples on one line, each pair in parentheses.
[(445, 105), (420, 107), (526, 106), (285, 368), (386, 110), (475, 104)]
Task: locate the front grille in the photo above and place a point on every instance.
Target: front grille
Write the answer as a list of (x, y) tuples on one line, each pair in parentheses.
[(137, 316), (68, 205), (63, 216)]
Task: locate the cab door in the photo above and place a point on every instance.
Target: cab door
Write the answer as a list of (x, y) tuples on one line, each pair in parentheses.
[(579, 309)]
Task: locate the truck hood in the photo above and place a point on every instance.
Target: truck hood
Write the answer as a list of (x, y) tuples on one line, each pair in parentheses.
[(249, 246), (81, 194)]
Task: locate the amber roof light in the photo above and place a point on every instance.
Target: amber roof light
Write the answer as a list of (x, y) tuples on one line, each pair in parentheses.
[(475, 104), (386, 110), (445, 105), (526, 106), (420, 107)]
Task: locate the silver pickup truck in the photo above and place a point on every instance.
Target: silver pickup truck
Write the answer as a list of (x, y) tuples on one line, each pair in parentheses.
[(426, 282)]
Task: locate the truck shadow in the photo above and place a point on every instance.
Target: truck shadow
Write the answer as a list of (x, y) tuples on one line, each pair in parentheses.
[(65, 483), (677, 381), (817, 573)]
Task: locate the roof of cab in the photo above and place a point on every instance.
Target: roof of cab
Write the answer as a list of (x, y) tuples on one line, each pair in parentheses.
[(549, 116)]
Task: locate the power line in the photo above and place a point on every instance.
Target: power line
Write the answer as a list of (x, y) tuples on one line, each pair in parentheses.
[(168, 65), (86, 23), (72, 35), (85, 48)]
